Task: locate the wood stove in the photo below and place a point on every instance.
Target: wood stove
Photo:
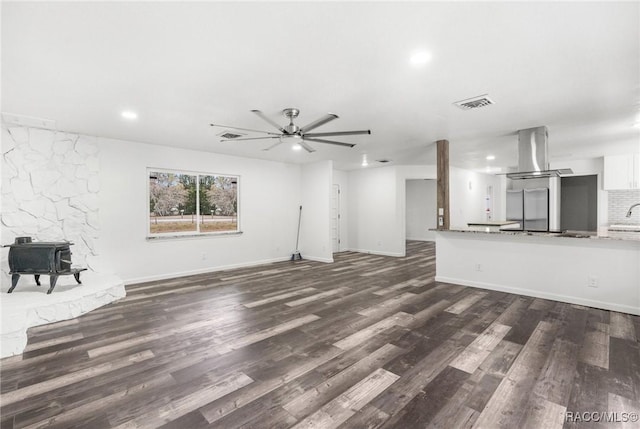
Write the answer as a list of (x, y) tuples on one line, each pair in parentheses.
[(48, 258)]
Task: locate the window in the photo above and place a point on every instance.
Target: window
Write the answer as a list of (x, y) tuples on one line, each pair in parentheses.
[(182, 203)]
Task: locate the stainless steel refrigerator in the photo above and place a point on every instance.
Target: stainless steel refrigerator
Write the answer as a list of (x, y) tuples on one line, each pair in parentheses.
[(530, 208)]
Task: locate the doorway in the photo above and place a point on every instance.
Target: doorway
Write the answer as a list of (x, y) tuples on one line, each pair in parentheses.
[(420, 209)]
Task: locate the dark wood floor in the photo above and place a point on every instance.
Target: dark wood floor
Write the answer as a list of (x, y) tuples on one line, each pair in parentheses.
[(368, 341)]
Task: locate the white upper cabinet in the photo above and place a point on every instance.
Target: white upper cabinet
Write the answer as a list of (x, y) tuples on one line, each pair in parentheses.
[(622, 172)]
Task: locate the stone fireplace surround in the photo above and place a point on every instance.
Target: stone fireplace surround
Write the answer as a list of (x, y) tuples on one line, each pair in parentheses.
[(50, 189)]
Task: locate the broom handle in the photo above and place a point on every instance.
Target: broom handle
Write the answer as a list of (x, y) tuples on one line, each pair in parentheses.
[(299, 218)]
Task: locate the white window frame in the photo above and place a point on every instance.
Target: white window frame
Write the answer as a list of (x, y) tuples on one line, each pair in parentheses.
[(197, 232)]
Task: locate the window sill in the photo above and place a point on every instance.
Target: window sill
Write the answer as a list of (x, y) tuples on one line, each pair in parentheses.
[(192, 236)]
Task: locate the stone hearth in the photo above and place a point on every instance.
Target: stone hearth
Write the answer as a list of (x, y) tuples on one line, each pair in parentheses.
[(29, 305)]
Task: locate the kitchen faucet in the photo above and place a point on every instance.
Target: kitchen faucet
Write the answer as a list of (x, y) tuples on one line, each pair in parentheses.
[(631, 208)]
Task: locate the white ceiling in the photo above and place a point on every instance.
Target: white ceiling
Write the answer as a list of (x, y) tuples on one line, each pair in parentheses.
[(572, 66)]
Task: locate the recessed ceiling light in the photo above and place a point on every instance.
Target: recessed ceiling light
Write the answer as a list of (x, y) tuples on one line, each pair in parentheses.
[(129, 114), (490, 157), (296, 147), (420, 58)]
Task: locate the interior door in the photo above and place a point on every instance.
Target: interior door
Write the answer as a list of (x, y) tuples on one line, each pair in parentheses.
[(335, 218)]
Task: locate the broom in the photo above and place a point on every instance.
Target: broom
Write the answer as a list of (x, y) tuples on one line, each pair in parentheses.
[(296, 256)]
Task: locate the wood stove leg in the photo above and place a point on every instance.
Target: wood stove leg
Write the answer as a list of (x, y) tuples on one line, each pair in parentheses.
[(37, 276), (77, 277), (52, 283), (14, 282)]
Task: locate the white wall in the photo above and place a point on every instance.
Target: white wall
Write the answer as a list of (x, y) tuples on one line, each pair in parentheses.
[(377, 204), (376, 213), (315, 231), (467, 192), (421, 212), (269, 197), (341, 178), (554, 268)]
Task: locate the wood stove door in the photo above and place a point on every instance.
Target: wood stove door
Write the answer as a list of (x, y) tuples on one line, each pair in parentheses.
[(63, 260)]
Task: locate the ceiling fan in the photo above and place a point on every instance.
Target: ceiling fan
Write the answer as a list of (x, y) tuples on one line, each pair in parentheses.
[(294, 133)]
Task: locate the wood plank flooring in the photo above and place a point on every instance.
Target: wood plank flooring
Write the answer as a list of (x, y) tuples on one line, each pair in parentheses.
[(366, 342)]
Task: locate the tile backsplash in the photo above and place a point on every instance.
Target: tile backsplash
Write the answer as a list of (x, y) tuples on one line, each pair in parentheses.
[(619, 203)]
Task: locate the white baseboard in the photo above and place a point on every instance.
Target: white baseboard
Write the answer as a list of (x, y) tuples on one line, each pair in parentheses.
[(204, 270), (317, 259), (544, 295), (375, 252)]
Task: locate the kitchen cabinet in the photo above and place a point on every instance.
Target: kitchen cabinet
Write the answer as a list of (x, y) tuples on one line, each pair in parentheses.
[(622, 172)]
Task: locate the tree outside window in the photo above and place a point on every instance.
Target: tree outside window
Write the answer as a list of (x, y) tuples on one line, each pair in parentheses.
[(192, 203)]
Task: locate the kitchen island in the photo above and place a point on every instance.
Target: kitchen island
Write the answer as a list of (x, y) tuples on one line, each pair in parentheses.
[(599, 270)]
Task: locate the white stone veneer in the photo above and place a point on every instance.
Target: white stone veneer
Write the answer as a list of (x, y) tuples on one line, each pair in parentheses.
[(50, 191), (50, 187)]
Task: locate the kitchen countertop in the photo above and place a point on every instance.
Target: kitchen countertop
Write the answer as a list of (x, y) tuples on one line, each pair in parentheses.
[(493, 223), (603, 233)]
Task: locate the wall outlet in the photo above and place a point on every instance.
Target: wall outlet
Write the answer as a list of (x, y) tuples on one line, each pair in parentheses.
[(479, 267), (592, 281)]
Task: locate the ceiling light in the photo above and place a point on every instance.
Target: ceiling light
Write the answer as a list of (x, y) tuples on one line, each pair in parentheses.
[(296, 147), (490, 157), (420, 58), (129, 114), (365, 163)]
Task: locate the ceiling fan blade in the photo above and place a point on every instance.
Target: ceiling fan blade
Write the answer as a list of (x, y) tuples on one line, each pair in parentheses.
[(326, 118), (269, 120), (329, 142), (339, 133), (244, 129), (306, 147), (272, 146), (249, 138)]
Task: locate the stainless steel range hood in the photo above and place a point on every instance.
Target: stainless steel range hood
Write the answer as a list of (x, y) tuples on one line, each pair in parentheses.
[(533, 161)]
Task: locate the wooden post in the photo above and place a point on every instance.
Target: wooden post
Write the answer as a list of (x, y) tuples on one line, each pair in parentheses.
[(442, 147)]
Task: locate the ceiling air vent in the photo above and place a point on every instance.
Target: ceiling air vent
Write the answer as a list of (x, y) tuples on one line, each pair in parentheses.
[(230, 135), (475, 102)]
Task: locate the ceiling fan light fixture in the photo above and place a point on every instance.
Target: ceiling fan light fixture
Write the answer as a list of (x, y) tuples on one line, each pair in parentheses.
[(290, 138), (296, 146)]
